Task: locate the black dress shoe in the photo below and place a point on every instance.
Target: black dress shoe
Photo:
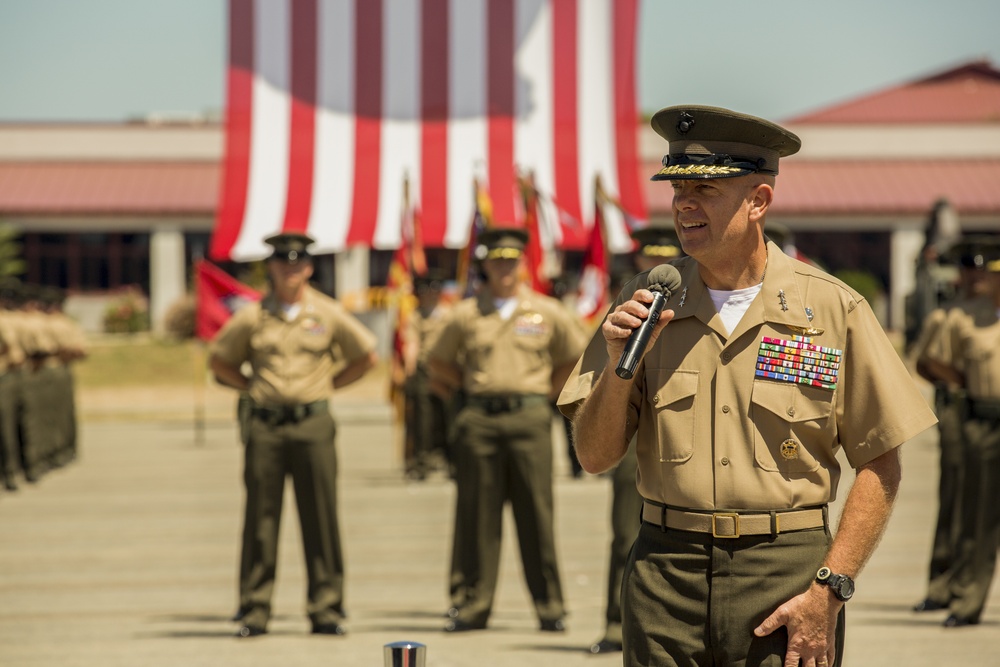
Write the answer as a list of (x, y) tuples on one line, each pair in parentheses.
[(606, 646), (240, 613), (251, 631), (456, 625), (928, 604), (328, 629), (552, 625), (10, 484), (958, 622)]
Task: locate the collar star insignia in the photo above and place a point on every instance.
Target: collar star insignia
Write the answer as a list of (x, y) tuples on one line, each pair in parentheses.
[(684, 296), (781, 298)]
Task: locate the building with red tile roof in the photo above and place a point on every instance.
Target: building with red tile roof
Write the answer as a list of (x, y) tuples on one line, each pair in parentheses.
[(105, 205), (860, 193)]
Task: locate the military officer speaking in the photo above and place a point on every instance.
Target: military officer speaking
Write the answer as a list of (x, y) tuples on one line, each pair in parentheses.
[(760, 369), (293, 340)]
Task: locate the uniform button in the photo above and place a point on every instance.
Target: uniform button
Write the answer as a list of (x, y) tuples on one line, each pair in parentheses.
[(656, 399), (791, 412), (725, 460), (725, 408), (726, 356)]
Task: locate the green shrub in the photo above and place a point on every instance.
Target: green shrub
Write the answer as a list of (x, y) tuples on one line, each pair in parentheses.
[(127, 313), (866, 284)]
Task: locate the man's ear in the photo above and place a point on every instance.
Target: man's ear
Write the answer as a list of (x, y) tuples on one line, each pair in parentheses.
[(760, 200)]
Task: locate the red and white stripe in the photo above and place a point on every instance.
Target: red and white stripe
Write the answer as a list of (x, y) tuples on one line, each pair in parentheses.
[(334, 104)]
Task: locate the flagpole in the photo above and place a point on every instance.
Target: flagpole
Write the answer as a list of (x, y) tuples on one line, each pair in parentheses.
[(199, 390), (199, 362)]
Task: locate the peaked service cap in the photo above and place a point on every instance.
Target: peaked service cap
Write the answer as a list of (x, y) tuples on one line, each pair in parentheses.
[(711, 142)]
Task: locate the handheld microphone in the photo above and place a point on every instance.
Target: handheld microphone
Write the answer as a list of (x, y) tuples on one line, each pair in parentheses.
[(663, 280)]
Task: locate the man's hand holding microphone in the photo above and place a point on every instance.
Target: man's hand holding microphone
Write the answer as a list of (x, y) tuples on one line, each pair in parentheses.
[(636, 324)]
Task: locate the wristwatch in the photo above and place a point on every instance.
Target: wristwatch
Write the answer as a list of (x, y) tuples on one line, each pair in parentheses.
[(842, 585)]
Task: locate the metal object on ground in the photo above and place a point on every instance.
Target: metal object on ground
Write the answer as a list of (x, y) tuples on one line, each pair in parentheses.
[(405, 654)]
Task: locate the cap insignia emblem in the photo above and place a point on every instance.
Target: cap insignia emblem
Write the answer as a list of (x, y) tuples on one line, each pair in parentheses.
[(685, 123)]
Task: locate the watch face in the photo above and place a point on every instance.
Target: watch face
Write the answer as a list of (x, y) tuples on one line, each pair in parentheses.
[(845, 588)]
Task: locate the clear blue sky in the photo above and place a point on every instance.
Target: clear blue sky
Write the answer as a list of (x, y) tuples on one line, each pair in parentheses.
[(108, 60)]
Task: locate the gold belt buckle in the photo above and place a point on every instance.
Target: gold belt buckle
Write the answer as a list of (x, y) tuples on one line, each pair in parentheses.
[(727, 515)]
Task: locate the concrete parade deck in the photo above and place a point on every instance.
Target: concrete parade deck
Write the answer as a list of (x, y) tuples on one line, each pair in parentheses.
[(128, 558)]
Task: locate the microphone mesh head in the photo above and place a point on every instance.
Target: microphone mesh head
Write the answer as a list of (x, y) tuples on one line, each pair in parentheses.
[(665, 278)]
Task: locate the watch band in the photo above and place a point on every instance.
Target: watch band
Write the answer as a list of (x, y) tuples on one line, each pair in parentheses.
[(841, 584)]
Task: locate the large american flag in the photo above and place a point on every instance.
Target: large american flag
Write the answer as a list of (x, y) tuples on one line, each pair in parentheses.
[(334, 107)]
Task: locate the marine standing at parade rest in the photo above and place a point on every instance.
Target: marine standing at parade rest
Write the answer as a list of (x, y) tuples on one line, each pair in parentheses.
[(973, 354), (951, 406), (509, 348), (292, 340), (759, 371), (11, 360), (427, 411), (655, 245)]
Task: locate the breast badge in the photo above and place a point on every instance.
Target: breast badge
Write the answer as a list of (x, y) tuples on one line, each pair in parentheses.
[(789, 450)]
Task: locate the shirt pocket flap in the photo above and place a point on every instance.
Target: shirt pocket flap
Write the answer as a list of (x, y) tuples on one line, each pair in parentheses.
[(793, 403), (677, 386)]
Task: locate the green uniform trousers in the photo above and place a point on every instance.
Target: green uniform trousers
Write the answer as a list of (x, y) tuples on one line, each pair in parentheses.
[(944, 552), (40, 420), (626, 510), (507, 457), (10, 440), (243, 407), (426, 424), (980, 519), (64, 399), (305, 450), (692, 600)]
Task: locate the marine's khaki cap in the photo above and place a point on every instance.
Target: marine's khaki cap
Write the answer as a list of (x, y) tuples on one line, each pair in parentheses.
[(290, 246), (501, 243), (711, 142), (656, 241)]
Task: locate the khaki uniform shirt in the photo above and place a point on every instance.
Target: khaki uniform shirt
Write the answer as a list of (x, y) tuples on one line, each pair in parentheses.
[(974, 347), (68, 334), (38, 336), (932, 341), (512, 356), (11, 348), (724, 421), (423, 328), (293, 361)]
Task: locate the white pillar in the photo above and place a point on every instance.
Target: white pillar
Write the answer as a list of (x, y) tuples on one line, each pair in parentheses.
[(905, 245), (167, 277), (352, 278)]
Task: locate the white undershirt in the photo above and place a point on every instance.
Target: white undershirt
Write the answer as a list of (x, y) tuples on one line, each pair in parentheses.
[(505, 307), (291, 310), (732, 304)]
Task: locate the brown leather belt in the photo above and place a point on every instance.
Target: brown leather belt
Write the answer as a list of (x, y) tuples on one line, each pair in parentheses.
[(984, 408), (733, 524)]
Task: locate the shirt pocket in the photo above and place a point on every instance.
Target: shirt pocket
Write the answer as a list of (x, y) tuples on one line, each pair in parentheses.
[(673, 404), (790, 422), (267, 340)]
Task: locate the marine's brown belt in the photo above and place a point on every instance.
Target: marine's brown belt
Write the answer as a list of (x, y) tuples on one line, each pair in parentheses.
[(733, 524)]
